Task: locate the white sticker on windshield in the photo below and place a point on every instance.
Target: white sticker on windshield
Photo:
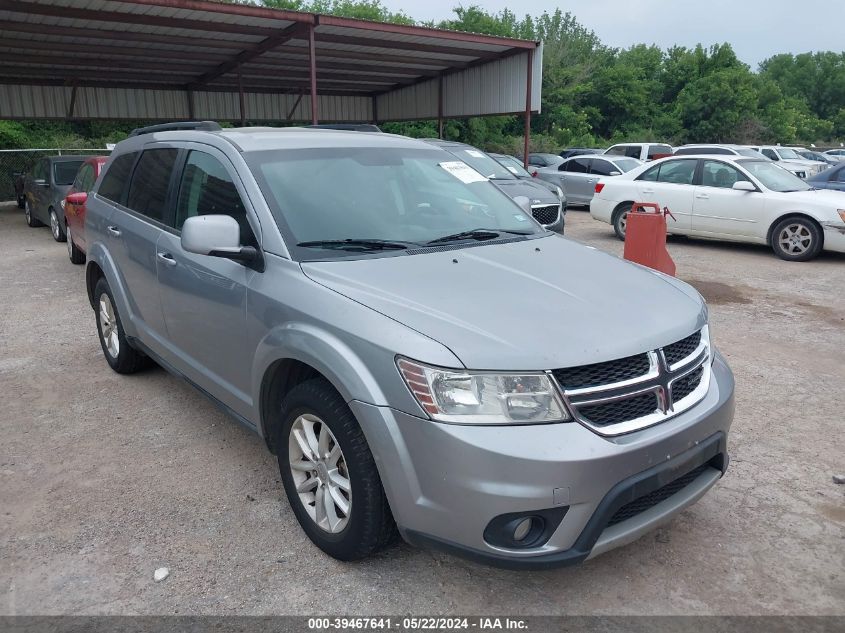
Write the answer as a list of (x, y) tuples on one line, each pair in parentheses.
[(475, 153), (511, 169), (462, 171)]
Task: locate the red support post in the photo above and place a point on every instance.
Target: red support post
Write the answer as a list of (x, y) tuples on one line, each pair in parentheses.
[(528, 90), (241, 99), (440, 107), (312, 59)]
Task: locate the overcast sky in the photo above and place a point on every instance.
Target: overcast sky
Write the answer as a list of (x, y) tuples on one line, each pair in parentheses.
[(756, 29)]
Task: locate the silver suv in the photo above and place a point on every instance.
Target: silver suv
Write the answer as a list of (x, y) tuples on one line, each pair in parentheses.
[(414, 347)]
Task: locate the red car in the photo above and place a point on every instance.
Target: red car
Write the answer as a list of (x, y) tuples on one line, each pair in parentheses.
[(75, 207)]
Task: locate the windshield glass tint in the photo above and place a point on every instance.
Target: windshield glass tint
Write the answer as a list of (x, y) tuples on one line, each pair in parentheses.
[(481, 162), (399, 195), (749, 152), (626, 164), (788, 154), (65, 172), (513, 166), (774, 177)]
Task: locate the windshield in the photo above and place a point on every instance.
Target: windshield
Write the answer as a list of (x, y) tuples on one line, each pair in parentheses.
[(742, 151), (788, 154), (407, 197), (481, 162), (774, 177), (512, 165), (65, 172), (627, 164)]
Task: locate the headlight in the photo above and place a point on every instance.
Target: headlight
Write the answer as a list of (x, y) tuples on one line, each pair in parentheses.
[(560, 193), (466, 397)]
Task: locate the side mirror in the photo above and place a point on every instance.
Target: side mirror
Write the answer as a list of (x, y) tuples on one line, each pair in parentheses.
[(743, 185), (78, 198), (524, 203), (216, 236), (615, 173)]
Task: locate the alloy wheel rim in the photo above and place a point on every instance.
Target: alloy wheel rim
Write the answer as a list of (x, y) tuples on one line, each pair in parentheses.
[(54, 224), (319, 473), (108, 326), (623, 222), (69, 243), (27, 212), (795, 239)]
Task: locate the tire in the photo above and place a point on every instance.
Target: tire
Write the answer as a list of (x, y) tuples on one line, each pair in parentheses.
[(56, 227), (368, 524), (620, 220), (120, 356), (75, 255), (31, 220), (796, 239)]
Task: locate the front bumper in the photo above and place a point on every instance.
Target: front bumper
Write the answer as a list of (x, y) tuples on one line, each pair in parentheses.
[(445, 483), (834, 237)]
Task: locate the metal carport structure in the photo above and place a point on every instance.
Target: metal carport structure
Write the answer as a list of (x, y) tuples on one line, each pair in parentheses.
[(193, 59)]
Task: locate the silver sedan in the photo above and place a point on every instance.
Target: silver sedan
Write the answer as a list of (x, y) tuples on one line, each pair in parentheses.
[(577, 176)]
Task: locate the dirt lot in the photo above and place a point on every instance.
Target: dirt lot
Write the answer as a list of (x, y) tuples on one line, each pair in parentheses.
[(104, 478)]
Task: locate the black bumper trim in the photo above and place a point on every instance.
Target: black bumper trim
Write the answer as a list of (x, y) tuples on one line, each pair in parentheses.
[(713, 450)]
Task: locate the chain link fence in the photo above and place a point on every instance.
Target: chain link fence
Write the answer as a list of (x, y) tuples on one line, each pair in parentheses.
[(14, 162)]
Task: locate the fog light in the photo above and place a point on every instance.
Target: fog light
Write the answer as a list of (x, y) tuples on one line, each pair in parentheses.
[(522, 529)]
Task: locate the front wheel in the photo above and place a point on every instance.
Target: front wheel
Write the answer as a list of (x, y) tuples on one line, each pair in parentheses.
[(56, 227), (620, 221), (329, 474), (796, 239)]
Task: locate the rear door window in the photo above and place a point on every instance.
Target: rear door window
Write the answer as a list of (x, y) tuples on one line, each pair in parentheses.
[(657, 151), (602, 167), (151, 182), (576, 166), (114, 182), (677, 172)]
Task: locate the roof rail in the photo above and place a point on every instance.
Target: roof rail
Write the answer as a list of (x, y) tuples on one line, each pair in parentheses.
[(205, 126)]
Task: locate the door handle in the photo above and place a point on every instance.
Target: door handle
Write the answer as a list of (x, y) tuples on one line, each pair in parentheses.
[(648, 190), (113, 230), (166, 258), (702, 196)]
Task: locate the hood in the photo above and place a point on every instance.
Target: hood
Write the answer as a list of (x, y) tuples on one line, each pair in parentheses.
[(800, 163), (537, 193), (825, 199), (537, 181), (536, 304)]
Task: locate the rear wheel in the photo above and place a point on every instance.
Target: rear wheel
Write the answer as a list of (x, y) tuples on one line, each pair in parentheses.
[(56, 227), (796, 239), (620, 220), (31, 220), (75, 255), (329, 474), (120, 356)]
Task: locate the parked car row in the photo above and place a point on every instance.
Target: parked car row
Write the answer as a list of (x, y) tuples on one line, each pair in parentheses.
[(359, 299), (734, 197), (54, 192)]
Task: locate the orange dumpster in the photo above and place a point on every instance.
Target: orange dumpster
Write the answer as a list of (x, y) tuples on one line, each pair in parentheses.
[(645, 237)]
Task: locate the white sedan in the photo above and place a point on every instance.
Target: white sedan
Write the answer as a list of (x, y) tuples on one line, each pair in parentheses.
[(730, 198)]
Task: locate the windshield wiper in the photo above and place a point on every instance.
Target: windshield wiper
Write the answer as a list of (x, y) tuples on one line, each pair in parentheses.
[(476, 234), (358, 244)]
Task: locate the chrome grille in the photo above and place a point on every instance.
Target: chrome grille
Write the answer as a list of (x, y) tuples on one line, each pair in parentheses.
[(634, 392), (603, 373), (546, 214), (627, 409), (676, 352)]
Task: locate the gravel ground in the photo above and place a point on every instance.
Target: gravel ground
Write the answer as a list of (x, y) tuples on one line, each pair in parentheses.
[(105, 478)]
